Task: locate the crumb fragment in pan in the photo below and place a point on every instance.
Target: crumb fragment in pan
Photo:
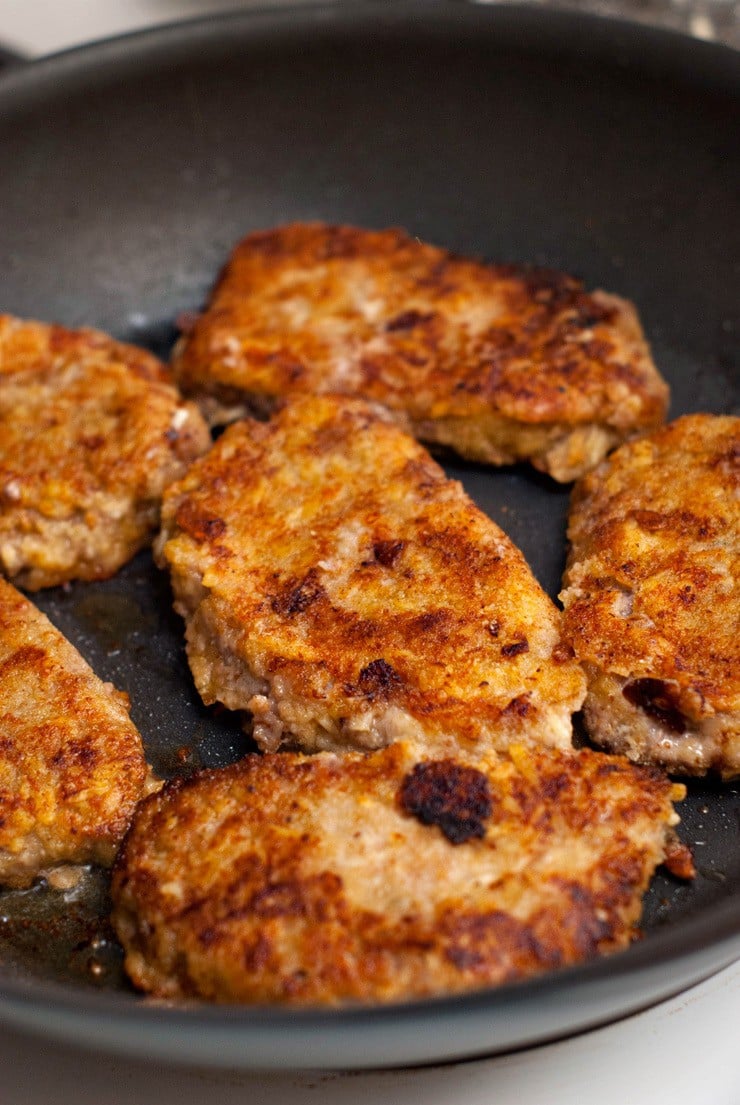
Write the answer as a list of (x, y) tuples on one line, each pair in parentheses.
[(499, 362), (652, 606), (339, 587), (307, 880), (91, 432), (72, 764)]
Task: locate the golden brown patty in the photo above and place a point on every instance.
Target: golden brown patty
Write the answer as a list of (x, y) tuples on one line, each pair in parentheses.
[(337, 585), (501, 363), (652, 602), (91, 432), (71, 760), (329, 878)]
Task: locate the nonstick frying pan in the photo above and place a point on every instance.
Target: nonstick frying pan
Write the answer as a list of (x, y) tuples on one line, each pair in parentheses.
[(127, 171)]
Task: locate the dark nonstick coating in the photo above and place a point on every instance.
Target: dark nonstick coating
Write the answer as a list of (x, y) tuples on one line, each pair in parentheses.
[(128, 171)]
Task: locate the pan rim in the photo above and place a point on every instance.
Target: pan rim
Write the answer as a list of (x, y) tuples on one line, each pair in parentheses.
[(625, 42), (491, 1021)]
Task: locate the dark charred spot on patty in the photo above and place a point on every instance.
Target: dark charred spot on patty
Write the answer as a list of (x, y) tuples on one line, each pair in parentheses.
[(198, 525), (678, 858), (77, 753), (519, 706), (278, 899), (514, 648), (429, 622), (450, 795), (686, 595), (407, 320), (545, 286), (296, 597), (388, 552), (378, 679), (562, 653), (681, 522), (588, 312), (654, 698)]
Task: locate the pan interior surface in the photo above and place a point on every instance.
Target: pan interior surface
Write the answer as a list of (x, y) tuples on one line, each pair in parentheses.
[(514, 134)]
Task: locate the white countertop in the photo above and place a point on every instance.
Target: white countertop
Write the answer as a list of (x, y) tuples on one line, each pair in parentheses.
[(682, 1052), (35, 27)]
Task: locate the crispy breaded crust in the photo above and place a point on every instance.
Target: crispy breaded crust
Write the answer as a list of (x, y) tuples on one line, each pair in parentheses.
[(72, 764), (336, 584), (311, 880), (652, 604), (501, 363), (91, 432)]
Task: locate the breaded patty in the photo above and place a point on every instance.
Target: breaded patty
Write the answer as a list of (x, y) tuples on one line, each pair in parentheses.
[(337, 585), (331, 878), (91, 432), (652, 601), (72, 764), (500, 363)]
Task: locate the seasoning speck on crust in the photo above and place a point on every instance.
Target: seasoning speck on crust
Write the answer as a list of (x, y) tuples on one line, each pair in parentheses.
[(304, 880), (499, 362), (652, 606), (339, 587), (72, 764), (91, 432)]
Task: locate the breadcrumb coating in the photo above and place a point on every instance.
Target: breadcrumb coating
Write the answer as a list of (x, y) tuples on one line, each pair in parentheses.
[(499, 362), (340, 588), (309, 880), (652, 607), (91, 432)]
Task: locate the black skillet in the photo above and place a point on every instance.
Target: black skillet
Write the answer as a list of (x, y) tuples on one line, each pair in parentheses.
[(129, 168)]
